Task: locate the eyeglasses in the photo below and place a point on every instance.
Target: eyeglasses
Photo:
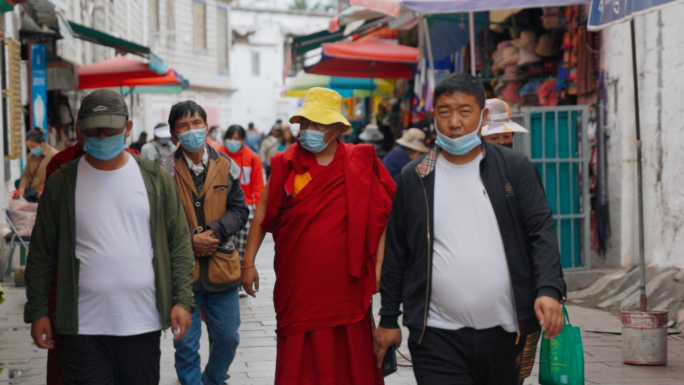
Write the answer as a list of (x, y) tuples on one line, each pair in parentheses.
[(95, 132)]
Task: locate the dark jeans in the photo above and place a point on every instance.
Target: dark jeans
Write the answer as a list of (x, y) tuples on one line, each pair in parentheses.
[(466, 356), (110, 360)]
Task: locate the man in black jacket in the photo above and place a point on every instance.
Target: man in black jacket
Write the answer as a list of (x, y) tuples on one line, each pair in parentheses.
[(471, 252)]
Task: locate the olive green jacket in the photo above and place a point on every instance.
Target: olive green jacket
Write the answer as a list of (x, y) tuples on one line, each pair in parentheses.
[(53, 248)]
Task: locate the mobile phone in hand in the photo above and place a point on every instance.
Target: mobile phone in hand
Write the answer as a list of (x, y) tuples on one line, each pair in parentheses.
[(389, 363)]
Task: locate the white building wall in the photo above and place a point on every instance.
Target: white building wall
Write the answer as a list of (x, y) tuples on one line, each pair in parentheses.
[(660, 59), (257, 98)]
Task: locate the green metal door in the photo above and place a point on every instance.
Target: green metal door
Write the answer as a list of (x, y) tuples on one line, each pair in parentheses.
[(558, 146)]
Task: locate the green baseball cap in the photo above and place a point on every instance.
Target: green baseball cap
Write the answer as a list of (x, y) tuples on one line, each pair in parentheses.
[(102, 109)]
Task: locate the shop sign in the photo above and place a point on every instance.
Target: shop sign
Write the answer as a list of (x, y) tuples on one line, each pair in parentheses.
[(38, 87), (605, 13)]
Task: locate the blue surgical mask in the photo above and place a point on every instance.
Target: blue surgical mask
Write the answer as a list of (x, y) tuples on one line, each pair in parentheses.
[(233, 145), (193, 140), (461, 145), (37, 151), (104, 149), (216, 135), (312, 140), (164, 141)]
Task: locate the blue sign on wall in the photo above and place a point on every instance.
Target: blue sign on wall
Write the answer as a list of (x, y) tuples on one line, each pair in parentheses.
[(38, 87), (605, 13)]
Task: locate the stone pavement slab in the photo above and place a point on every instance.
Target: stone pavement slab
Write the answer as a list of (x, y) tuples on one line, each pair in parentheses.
[(22, 363)]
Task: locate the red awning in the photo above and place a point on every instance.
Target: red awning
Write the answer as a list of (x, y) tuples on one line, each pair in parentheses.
[(119, 71), (372, 51), (366, 59)]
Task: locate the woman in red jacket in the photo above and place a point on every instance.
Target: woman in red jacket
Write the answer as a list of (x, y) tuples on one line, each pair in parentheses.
[(251, 175)]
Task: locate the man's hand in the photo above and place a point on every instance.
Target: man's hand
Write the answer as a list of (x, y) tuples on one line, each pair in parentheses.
[(384, 338), (205, 244), (250, 281), (180, 322), (550, 316), (39, 328)]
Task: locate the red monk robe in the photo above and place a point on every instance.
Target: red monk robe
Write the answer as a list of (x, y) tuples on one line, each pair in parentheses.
[(326, 237)]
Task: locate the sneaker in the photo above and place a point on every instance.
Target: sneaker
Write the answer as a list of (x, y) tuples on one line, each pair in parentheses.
[(241, 292)]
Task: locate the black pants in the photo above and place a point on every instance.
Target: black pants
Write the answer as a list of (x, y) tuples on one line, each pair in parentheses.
[(466, 356), (109, 360)]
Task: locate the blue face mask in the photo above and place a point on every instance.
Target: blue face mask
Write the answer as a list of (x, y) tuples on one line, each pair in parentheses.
[(164, 141), (104, 149), (37, 151), (233, 146), (193, 140), (312, 140), (461, 145)]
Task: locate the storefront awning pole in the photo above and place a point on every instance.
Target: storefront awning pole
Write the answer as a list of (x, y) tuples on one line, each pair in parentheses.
[(640, 194), (471, 26), (428, 43)]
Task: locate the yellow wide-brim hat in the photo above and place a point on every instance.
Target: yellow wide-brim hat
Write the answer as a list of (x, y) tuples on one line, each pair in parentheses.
[(323, 106)]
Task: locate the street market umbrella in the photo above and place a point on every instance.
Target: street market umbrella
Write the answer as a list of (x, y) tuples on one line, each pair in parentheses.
[(115, 71), (366, 59), (603, 15), (346, 87)]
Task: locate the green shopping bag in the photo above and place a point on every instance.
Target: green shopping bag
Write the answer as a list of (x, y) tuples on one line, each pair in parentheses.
[(562, 359)]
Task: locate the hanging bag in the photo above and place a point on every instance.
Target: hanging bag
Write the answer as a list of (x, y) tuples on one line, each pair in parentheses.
[(562, 358)]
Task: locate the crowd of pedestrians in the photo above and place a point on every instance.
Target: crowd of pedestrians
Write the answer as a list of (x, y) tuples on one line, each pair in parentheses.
[(457, 238)]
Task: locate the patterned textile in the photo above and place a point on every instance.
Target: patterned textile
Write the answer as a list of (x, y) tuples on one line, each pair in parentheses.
[(241, 236), (528, 355)]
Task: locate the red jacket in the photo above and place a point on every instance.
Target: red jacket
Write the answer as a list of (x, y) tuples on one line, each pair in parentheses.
[(251, 174)]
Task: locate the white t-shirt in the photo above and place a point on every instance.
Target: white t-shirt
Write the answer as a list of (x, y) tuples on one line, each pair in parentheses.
[(471, 285), (114, 247)]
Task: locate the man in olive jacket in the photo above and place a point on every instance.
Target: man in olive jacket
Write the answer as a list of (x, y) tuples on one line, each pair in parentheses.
[(112, 230)]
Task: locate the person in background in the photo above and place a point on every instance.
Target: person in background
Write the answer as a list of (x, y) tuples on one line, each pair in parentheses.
[(253, 138), (40, 154), (371, 135), (500, 126), (251, 179), (269, 146), (215, 208), (286, 139), (214, 138), (123, 267), (326, 204), (142, 139), (410, 146), (477, 264), (161, 145)]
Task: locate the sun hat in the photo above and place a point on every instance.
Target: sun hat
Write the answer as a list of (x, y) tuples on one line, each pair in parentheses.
[(371, 133), (500, 119), (511, 92), (322, 105), (162, 132), (528, 57), (545, 46), (527, 40), (552, 18), (509, 55), (548, 93), (102, 109), (414, 139)]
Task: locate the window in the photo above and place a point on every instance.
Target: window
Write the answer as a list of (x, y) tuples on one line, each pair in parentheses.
[(255, 63), (154, 13), (170, 25), (199, 25), (222, 39)]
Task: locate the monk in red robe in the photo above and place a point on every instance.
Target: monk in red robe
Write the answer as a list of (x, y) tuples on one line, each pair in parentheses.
[(327, 205)]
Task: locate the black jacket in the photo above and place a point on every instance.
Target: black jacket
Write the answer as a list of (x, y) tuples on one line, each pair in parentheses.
[(525, 222)]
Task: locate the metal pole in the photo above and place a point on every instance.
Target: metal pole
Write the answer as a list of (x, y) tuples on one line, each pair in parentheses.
[(640, 194), (471, 27)]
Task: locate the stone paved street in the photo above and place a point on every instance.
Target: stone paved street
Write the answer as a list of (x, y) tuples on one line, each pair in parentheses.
[(22, 363)]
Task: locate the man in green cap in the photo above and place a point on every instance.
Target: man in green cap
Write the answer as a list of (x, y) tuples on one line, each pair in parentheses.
[(112, 227)]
